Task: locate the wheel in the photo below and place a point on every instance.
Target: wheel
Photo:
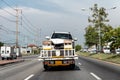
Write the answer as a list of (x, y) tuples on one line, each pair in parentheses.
[(11, 58), (72, 66), (16, 57), (46, 67), (8, 58), (2, 58)]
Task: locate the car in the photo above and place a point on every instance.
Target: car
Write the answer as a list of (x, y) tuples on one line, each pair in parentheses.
[(117, 51), (93, 51)]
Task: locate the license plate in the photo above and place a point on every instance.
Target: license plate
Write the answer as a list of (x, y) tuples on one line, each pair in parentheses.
[(58, 62)]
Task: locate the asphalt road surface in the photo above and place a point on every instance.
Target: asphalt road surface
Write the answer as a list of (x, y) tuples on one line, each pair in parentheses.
[(86, 69)]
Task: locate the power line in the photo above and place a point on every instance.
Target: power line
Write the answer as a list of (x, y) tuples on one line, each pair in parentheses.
[(30, 26), (8, 5), (6, 18), (7, 11), (6, 29), (27, 29), (28, 22), (11, 1)]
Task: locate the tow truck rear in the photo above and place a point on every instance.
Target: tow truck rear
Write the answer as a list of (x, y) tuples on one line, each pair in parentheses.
[(58, 50)]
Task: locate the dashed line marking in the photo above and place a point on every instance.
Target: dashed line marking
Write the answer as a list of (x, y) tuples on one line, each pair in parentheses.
[(29, 77), (79, 63), (40, 59), (95, 76)]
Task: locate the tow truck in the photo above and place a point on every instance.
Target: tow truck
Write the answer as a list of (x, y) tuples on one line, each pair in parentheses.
[(58, 50)]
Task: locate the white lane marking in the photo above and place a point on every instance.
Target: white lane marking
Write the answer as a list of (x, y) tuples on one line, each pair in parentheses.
[(40, 59), (29, 77), (39, 56), (79, 63), (95, 76)]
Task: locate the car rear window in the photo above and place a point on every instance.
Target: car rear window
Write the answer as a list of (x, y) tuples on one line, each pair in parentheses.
[(61, 36)]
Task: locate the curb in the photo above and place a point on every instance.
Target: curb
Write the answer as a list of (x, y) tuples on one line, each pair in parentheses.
[(11, 62)]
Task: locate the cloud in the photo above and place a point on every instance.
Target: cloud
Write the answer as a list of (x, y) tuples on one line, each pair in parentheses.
[(71, 6), (46, 21), (28, 10), (58, 15)]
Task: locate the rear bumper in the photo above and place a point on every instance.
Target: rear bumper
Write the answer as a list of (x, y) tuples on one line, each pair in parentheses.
[(5, 56), (53, 63)]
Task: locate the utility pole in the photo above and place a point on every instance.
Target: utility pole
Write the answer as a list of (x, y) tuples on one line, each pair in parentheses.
[(17, 27), (17, 16), (0, 33), (38, 37)]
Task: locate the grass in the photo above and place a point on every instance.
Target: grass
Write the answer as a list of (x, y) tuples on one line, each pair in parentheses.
[(115, 58)]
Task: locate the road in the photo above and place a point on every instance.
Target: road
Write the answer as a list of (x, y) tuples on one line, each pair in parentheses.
[(86, 69)]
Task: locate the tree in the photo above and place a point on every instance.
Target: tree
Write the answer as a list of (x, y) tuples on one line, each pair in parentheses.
[(113, 36), (78, 47), (98, 20), (1, 44), (105, 36), (91, 36)]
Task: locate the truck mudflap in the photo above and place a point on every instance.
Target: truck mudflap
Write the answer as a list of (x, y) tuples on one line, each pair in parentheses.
[(62, 53)]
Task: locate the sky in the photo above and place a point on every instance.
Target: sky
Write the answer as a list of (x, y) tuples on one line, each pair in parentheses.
[(40, 18)]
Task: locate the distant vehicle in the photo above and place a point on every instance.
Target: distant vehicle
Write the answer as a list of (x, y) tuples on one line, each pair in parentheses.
[(106, 50), (117, 51), (85, 50), (93, 51), (8, 53), (17, 51), (59, 50)]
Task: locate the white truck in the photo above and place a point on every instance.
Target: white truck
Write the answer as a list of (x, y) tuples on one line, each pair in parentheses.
[(7, 52), (58, 50), (18, 52)]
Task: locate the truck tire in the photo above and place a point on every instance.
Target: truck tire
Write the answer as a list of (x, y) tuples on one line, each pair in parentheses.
[(8, 58), (11, 58), (15, 57), (2, 58), (46, 67), (72, 66)]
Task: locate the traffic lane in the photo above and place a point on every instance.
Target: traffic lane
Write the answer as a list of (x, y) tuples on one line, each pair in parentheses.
[(63, 73), (20, 71), (19, 59), (104, 70), (30, 57), (5, 63)]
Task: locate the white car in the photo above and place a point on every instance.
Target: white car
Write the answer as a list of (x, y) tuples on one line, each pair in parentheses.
[(117, 51), (106, 50)]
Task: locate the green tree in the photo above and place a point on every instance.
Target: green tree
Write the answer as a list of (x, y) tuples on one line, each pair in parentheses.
[(98, 20), (91, 36), (78, 47), (1, 44), (113, 36), (105, 34)]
